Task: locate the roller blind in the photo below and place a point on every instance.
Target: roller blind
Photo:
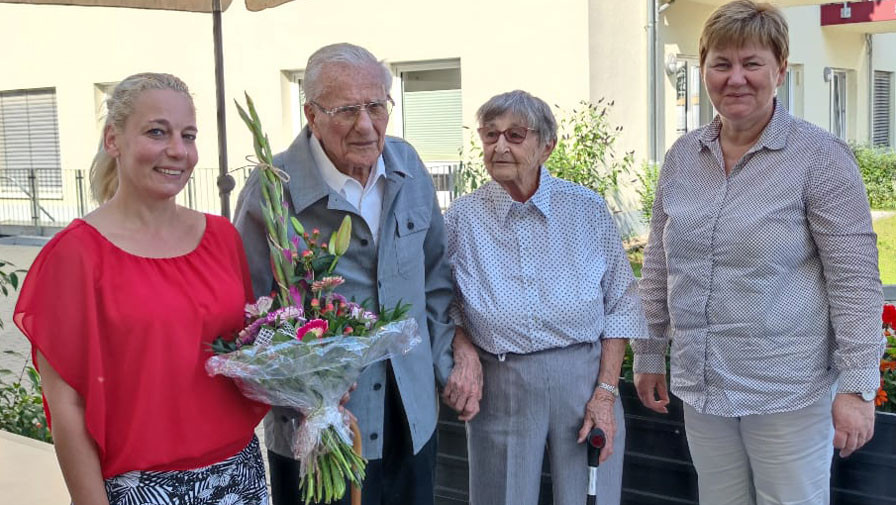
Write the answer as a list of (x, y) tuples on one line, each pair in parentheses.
[(29, 141), (433, 123), (882, 110)]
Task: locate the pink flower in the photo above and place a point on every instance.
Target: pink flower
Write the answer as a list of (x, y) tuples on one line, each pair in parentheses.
[(316, 328), (306, 253), (327, 283)]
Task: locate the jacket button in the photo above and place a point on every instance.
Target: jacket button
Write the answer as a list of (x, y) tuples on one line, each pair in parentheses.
[(379, 284), (364, 242), (284, 419), (377, 386), (374, 436), (410, 225)]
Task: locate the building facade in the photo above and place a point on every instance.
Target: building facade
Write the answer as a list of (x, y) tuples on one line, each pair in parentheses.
[(59, 62)]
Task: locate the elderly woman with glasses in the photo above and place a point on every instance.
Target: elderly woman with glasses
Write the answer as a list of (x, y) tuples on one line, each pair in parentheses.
[(762, 269), (546, 293)]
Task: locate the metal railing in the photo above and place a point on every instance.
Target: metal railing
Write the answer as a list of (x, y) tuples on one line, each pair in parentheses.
[(38, 206), (26, 200)]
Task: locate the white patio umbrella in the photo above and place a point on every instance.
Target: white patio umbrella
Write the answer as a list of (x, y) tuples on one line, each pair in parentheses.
[(215, 7)]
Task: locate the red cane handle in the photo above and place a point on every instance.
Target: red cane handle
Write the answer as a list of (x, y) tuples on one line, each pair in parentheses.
[(596, 441)]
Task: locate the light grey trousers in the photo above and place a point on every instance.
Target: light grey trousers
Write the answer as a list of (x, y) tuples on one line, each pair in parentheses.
[(768, 459), (528, 401)]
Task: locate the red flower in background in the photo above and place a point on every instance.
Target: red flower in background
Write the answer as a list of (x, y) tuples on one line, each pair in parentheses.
[(889, 315), (881, 398)]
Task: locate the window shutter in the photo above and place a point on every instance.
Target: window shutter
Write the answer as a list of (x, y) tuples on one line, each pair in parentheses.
[(29, 140), (883, 108), (433, 123)]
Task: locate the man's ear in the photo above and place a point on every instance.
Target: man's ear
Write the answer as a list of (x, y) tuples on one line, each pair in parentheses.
[(110, 141), (310, 117)]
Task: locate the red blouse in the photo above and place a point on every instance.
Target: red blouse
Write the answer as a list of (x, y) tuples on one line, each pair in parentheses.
[(131, 336)]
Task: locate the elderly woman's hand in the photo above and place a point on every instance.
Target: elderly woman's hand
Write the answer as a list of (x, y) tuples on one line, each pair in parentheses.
[(599, 414), (464, 388)]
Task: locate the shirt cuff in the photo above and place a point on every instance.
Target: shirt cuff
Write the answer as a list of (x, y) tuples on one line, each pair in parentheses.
[(858, 380), (649, 363)]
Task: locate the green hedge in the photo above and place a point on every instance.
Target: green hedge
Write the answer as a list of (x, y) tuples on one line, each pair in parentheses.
[(878, 168)]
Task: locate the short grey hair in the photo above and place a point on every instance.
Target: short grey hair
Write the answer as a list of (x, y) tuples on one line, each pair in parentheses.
[(345, 53), (520, 104)]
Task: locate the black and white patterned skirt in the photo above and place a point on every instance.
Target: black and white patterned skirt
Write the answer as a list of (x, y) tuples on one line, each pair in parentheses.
[(238, 480)]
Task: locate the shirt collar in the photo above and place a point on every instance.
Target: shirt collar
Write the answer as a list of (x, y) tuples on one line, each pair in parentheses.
[(773, 137), (336, 179), (541, 200)]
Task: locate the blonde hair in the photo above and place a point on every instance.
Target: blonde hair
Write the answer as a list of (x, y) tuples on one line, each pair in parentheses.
[(120, 106), (744, 22)]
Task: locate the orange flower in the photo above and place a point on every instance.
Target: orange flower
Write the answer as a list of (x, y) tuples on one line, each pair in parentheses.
[(887, 365), (881, 398)]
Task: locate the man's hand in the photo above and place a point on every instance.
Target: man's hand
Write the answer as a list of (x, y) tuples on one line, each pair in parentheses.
[(853, 422), (464, 388), (599, 414), (347, 416), (652, 391)]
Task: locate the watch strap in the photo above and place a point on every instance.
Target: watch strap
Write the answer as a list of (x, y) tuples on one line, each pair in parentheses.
[(608, 387)]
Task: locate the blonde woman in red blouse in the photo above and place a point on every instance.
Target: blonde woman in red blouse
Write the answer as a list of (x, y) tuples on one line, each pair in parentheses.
[(120, 308)]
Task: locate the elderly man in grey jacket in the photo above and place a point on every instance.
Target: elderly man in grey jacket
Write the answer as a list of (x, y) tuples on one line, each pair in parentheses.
[(343, 164)]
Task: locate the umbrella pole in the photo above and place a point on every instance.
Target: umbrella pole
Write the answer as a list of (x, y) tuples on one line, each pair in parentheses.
[(225, 180), (356, 445)]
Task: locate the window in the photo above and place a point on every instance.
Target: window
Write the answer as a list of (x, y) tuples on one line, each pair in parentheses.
[(296, 100), (101, 92), (882, 109), (428, 109), (790, 92), (29, 143), (428, 114), (689, 96), (838, 103)]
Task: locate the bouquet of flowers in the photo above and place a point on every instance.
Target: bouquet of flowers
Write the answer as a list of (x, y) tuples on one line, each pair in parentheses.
[(886, 395), (303, 346)]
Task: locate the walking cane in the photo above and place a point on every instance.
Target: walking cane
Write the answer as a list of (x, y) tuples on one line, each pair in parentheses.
[(356, 446), (596, 441)]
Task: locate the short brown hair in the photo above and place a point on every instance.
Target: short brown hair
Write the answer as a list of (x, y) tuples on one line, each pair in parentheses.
[(744, 22)]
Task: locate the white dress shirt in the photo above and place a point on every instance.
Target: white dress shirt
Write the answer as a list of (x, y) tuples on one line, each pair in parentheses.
[(368, 199)]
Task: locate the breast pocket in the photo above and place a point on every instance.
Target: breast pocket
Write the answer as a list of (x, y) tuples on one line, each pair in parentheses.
[(411, 228)]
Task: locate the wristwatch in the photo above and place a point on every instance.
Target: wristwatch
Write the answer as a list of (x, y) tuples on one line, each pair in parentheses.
[(609, 387), (867, 396)]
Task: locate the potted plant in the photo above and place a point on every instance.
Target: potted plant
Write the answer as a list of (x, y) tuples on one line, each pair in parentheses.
[(867, 476)]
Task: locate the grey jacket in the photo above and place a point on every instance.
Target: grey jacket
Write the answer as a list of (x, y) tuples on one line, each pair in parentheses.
[(407, 264)]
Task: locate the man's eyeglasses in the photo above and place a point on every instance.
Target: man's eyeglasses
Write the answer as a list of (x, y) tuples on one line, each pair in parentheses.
[(514, 135), (348, 114)]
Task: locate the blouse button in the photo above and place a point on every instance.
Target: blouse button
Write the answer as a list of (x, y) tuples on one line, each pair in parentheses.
[(374, 436), (410, 225), (364, 242)]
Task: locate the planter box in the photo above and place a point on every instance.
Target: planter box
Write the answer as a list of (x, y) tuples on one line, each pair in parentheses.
[(658, 469)]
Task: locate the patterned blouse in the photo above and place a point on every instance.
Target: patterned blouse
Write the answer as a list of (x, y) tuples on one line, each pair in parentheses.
[(766, 279), (543, 274)]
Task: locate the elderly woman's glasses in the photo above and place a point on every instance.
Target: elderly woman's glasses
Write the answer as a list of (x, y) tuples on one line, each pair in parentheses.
[(514, 135), (377, 110)]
